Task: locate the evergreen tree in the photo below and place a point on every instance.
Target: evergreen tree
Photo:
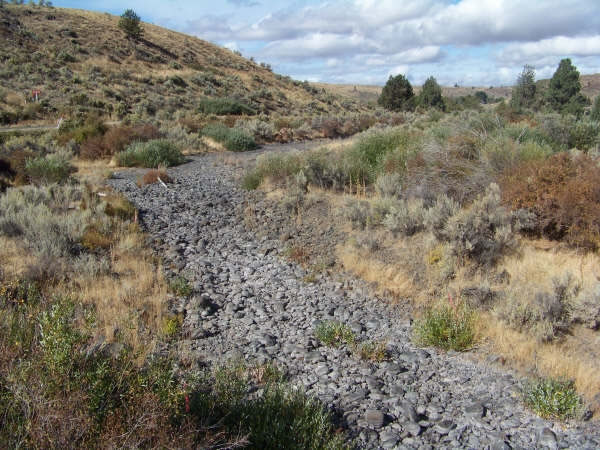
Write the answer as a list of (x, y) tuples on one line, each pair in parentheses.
[(431, 94), (523, 94), (130, 24), (397, 94), (596, 109), (564, 93)]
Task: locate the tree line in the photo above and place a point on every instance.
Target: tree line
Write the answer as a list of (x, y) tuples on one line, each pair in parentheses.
[(563, 93)]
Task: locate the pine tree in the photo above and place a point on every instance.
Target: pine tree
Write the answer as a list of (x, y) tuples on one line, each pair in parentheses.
[(431, 94), (130, 24), (397, 94), (595, 115), (523, 94), (564, 93)]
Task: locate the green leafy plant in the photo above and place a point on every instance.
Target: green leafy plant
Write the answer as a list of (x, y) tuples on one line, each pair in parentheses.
[(448, 325), (372, 351), (554, 398), (180, 286), (151, 154), (335, 334), (223, 106), (234, 139)]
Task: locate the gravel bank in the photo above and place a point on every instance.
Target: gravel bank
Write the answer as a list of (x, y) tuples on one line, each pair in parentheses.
[(249, 302)]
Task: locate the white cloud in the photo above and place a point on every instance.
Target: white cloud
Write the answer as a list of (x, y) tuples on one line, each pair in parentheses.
[(233, 46), (483, 42), (556, 46)]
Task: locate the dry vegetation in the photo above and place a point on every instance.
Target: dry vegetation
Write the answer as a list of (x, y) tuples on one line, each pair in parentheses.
[(82, 62), (427, 223)]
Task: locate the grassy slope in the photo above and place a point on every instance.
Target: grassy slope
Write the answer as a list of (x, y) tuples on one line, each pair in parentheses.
[(66, 53)]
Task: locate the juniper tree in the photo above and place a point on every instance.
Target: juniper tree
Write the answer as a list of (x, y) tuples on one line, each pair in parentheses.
[(431, 94), (564, 93), (397, 94), (130, 24)]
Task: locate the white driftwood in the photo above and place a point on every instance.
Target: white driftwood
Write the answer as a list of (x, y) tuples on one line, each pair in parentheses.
[(162, 182)]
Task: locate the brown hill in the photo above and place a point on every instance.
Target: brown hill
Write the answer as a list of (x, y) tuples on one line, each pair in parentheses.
[(81, 62)]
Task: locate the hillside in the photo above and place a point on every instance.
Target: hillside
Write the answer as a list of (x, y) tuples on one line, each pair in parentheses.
[(82, 62)]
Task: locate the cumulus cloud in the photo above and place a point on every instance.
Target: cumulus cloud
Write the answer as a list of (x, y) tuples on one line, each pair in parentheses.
[(383, 35), (547, 48)]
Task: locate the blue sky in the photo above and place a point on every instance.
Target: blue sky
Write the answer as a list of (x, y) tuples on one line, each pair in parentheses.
[(469, 42)]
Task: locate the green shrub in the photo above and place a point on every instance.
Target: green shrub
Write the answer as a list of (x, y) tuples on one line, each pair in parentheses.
[(279, 417), (279, 166), (180, 286), (59, 338), (239, 141), (52, 168), (554, 399), (252, 180), (447, 325), (373, 145), (371, 351), (233, 139), (152, 154), (334, 334), (223, 106)]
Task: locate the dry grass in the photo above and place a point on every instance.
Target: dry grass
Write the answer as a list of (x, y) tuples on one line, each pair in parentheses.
[(388, 278), (93, 172), (136, 290), (538, 267), (212, 145), (153, 176), (14, 260), (558, 360), (574, 356), (130, 302)]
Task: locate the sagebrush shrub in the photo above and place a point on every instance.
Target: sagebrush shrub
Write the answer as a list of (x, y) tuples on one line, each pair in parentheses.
[(296, 193), (357, 212), (436, 217), (482, 232), (52, 168), (543, 314), (389, 185), (406, 217)]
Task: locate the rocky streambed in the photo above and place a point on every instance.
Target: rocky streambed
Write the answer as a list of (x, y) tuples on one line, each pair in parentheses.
[(249, 302)]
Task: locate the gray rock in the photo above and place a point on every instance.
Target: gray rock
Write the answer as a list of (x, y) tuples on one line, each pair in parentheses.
[(476, 410), (374, 418), (444, 427), (547, 438)]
